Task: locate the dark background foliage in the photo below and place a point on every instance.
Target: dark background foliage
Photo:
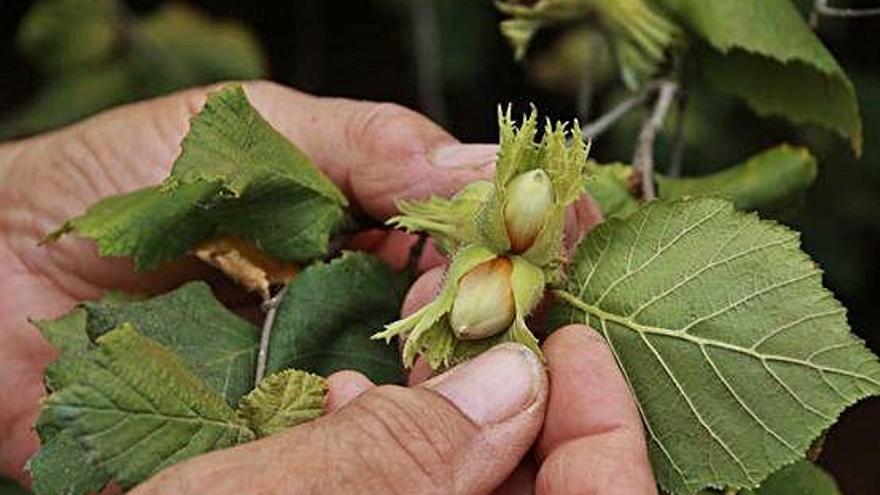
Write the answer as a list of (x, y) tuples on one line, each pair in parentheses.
[(368, 50)]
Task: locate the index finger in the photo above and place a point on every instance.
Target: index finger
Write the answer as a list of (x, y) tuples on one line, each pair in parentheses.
[(592, 440)]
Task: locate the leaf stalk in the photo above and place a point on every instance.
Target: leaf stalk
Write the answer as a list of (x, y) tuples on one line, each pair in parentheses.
[(270, 306), (643, 158)]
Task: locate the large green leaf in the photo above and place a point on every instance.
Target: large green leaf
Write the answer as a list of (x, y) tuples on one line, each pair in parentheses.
[(135, 408), (769, 181), (216, 345), (61, 467), (762, 51), (328, 314), (737, 355), (235, 174), (800, 478)]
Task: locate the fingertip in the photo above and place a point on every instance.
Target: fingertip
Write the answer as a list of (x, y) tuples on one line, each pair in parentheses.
[(588, 393), (420, 372), (580, 218), (422, 291), (576, 334), (607, 464), (343, 387)]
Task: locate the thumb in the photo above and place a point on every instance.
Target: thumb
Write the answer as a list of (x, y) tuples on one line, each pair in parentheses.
[(462, 432)]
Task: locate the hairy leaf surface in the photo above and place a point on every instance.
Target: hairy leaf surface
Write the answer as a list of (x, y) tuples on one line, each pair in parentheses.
[(67, 334), (235, 175), (327, 316), (763, 49), (216, 345), (135, 408), (282, 400), (61, 467), (737, 355)]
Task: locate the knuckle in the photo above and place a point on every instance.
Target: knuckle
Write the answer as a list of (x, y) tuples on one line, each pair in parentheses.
[(377, 125), (555, 475), (417, 431)]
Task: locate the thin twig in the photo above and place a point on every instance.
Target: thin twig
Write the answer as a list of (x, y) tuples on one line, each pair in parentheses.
[(643, 158), (606, 120), (270, 306), (821, 8), (427, 59)]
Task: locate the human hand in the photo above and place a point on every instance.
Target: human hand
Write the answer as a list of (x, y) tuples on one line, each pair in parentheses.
[(465, 432), (468, 431), (376, 153)]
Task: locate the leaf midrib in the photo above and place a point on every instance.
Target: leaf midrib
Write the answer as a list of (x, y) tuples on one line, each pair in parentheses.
[(700, 341)]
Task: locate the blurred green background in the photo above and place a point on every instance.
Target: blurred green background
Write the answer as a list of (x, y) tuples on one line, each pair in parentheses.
[(448, 59)]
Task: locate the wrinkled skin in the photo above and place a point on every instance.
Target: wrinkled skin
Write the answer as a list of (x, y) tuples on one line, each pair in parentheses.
[(582, 421)]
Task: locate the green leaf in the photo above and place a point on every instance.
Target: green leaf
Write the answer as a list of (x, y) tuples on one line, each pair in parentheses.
[(228, 134), (135, 408), (768, 181), (737, 355), (61, 467), (763, 49), (150, 225), (800, 478), (330, 310), (235, 174), (215, 345), (67, 334), (283, 400)]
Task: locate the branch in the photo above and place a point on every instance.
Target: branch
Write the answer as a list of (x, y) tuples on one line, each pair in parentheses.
[(270, 306), (606, 120), (643, 158), (821, 8)]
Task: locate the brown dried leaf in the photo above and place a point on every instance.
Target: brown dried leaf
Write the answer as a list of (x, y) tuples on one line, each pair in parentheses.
[(244, 263)]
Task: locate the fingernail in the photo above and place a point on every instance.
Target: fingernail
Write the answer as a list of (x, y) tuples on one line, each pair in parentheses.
[(463, 155), (494, 386)]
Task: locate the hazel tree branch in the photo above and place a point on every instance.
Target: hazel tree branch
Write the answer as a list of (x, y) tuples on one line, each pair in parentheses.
[(592, 129), (643, 158)]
